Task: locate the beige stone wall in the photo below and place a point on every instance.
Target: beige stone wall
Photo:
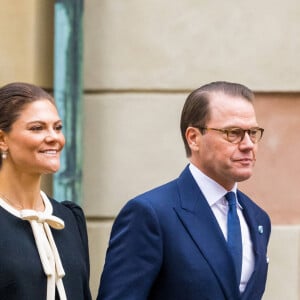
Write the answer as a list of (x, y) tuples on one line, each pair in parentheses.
[(135, 143), (275, 184), (284, 267), (141, 60), (179, 45), (26, 52)]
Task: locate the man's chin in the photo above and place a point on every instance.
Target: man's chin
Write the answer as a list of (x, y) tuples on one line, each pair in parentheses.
[(242, 176)]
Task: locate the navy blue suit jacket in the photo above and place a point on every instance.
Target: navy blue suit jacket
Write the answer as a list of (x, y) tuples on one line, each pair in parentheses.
[(166, 244)]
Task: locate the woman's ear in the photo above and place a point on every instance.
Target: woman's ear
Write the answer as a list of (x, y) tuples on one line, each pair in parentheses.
[(3, 144), (192, 136)]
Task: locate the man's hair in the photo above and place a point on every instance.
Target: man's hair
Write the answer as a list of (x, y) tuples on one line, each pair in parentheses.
[(196, 110)]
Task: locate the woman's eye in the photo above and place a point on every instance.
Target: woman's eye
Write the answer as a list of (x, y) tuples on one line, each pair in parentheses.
[(36, 128), (58, 127)]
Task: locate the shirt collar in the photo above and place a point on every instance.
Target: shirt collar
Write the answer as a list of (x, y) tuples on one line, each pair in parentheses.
[(212, 191)]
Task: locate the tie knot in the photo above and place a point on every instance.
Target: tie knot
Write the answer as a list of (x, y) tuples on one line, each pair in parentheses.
[(230, 197)]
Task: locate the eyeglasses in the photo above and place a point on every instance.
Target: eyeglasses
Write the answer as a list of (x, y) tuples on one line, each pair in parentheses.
[(235, 134)]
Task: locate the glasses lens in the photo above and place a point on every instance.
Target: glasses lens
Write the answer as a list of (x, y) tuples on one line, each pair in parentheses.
[(255, 134), (258, 134), (234, 135)]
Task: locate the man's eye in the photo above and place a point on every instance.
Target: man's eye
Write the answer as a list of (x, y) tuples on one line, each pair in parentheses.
[(253, 132), (234, 132)]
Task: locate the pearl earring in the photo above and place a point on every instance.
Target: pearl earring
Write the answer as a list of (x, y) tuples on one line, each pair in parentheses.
[(4, 155)]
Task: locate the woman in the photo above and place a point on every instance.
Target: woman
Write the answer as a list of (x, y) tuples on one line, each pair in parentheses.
[(43, 243)]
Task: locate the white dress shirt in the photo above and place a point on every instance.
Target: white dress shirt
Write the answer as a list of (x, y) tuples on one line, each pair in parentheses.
[(215, 196)]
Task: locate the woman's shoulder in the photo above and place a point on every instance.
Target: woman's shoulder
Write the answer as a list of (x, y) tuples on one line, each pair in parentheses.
[(68, 210), (72, 206)]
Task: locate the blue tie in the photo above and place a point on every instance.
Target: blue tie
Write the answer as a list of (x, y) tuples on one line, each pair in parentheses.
[(234, 236)]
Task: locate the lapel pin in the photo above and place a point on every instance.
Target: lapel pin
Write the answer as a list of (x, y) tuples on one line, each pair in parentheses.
[(260, 229)]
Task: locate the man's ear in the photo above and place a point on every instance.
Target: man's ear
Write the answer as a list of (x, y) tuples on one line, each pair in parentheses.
[(192, 135)]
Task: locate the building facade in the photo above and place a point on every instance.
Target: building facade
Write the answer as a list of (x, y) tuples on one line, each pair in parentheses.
[(141, 60)]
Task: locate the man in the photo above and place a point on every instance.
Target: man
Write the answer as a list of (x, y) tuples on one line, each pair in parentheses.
[(182, 240)]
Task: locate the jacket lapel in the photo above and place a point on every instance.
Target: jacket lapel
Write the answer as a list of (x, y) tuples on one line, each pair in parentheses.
[(260, 258), (200, 222)]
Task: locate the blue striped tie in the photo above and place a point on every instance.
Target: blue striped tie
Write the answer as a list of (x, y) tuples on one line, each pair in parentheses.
[(234, 236)]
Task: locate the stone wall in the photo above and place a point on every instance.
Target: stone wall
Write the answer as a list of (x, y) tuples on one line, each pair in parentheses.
[(141, 60)]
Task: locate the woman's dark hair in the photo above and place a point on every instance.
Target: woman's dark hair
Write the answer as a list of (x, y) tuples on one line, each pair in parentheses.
[(13, 98), (196, 111)]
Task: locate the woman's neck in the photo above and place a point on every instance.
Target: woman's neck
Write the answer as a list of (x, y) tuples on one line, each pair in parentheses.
[(21, 192)]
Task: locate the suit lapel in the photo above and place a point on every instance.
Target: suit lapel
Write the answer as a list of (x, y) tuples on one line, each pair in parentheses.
[(200, 222), (253, 223)]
